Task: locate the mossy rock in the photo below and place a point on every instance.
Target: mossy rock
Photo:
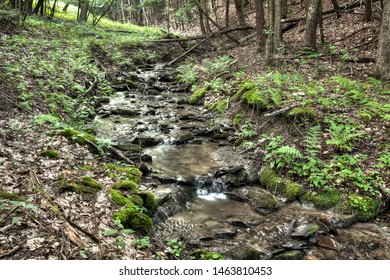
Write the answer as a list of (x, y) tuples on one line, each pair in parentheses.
[(89, 183), (195, 98), (366, 207), (132, 173), (120, 199), (261, 200), (50, 154), (292, 191), (10, 196), (127, 185), (289, 255), (136, 200), (257, 99), (324, 199), (271, 181), (132, 219), (149, 201), (71, 187), (79, 137), (301, 114)]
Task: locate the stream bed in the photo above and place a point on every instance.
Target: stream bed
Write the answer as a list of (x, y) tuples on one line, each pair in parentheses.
[(201, 181)]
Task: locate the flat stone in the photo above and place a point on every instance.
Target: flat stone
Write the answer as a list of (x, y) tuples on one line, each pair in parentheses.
[(184, 139), (125, 112), (225, 233), (305, 230), (328, 243)]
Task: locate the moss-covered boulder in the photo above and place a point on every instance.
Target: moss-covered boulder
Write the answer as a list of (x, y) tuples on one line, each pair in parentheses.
[(89, 183), (132, 219), (289, 255), (119, 199), (78, 136), (276, 185), (302, 114), (127, 185), (324, 199), (149, 201)]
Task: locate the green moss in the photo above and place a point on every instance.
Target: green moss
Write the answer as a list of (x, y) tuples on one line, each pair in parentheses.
[(86, 168), (324, 199), (131, 172), (127, 185), (366, 207), (89, 183), (270, 181), (79, 137), (302, 114), (149, 201), (50, 154), (120, 199), (136, 200), (292, 190), (237, 120), (219, 106), (132, 219), (198, 95), (71, 187), (9, 196), (246, 86)]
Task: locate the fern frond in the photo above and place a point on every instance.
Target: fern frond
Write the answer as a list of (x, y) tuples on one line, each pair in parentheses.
[(288, 151)]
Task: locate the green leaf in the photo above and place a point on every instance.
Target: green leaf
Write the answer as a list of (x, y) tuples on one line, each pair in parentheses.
[(127, 231), (110, 232)]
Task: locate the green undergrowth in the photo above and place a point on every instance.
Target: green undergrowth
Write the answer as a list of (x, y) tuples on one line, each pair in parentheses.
[(330, 134)]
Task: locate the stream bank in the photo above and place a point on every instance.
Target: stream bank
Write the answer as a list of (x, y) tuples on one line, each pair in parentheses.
[(208, 191)]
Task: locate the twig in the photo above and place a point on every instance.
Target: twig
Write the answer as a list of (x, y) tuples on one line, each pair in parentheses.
[(91, 86), (17, 105), (10, 252), (281, 111)]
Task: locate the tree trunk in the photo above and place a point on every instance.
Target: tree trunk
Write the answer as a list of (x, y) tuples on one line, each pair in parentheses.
[(240, 12), (39, 8), (368, 10), (260, 25), (65, 8), (277, 28), (84, 4), (269, 47), (201, 22), (227, 5), (311, 23), (383, 56), (336, 7), (284, 8)]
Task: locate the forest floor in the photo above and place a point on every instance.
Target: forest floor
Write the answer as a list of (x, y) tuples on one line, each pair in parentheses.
[(39, 76)]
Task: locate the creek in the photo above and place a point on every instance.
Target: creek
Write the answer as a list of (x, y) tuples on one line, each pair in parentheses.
[(202, 182)]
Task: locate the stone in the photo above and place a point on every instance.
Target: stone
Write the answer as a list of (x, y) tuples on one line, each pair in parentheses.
[(125, 112), (225, 233), (305, 230), (261, 200), (184, 139), (289, 255), (147, 141), (328, 243)]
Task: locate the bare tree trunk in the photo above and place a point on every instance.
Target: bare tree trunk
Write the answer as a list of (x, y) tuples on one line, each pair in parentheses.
[(65, 8), (240, 12), (336, 7), (368, 10), (277, 28), (311, 23), (260, 26), (284, 8), (269, 47), (383, 56), (39, 7), (201, 22), (321, 24), (227, 5)]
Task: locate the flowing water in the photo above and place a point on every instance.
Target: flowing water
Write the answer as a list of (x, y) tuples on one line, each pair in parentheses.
[(193, 170)]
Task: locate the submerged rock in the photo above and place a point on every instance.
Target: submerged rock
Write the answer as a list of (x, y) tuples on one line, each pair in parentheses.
[(305, 230)]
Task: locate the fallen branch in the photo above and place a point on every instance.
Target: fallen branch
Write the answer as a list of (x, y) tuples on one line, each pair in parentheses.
[(60, 212), (17, 105), (91, 87), (343, 8), (279, 112), (10, 252), (190, 50)]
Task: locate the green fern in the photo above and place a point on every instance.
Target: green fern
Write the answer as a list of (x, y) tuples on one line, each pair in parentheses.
[(313, 140), (282, 156), (343, 136)]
